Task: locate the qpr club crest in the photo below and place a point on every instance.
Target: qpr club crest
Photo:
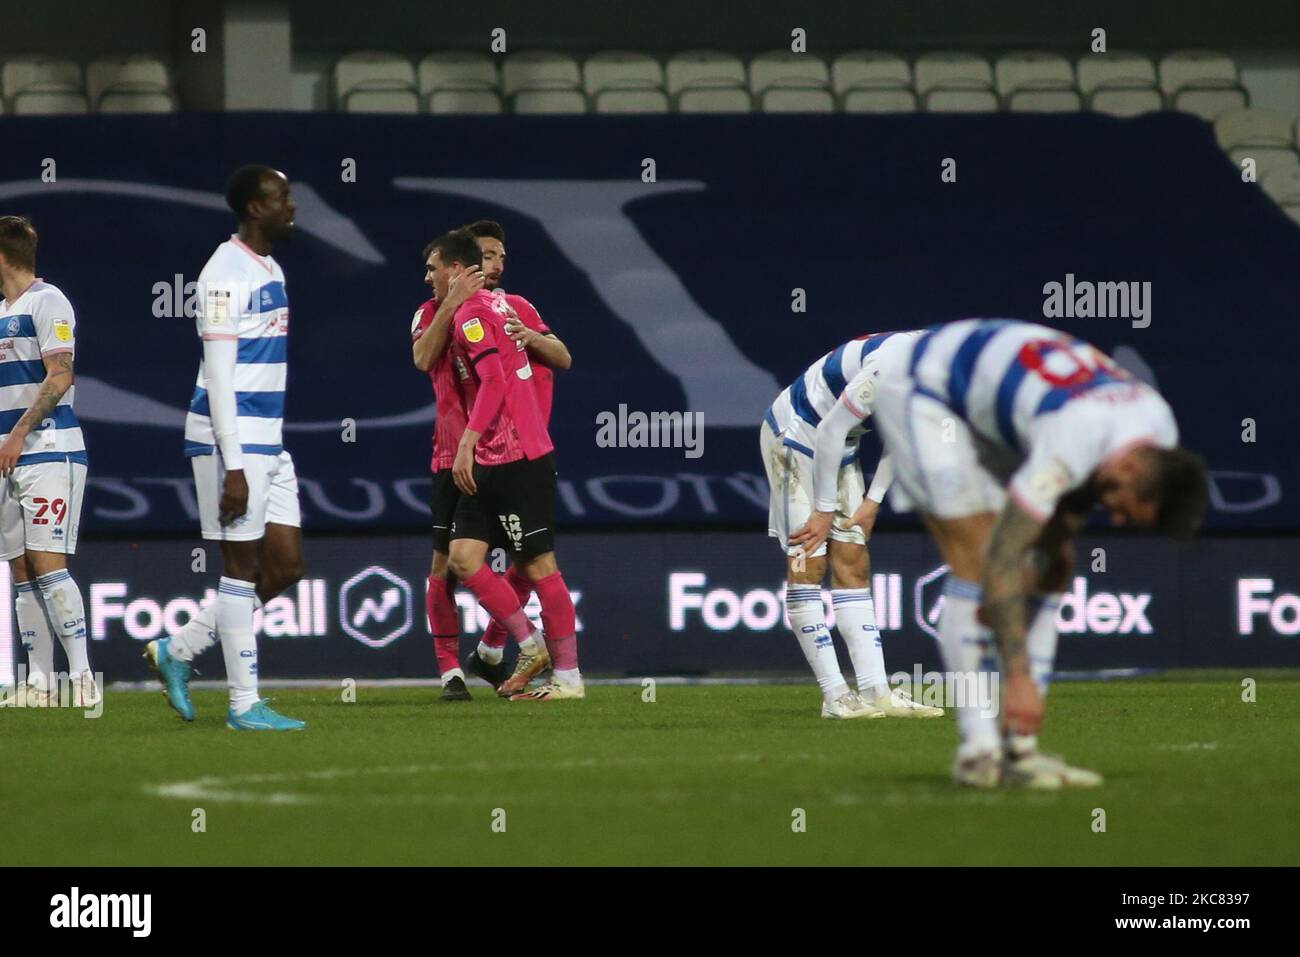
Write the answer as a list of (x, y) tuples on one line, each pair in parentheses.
[(14, 326)]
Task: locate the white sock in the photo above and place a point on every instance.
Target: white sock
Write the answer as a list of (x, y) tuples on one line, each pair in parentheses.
[(453, 673), (967, 648), (62, 600), (37, 638), (1040, 642), (530, 645), (803, 605), (238, 645), (855, 617), (199, 633), (489, 655), (568, 677)]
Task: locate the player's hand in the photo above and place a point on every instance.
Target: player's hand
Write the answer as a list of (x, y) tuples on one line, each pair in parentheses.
[(865, 517), (465, 285), (1022, 705), (811, 536), (462, 469), (234, 497), (10, 450), (519, 332)]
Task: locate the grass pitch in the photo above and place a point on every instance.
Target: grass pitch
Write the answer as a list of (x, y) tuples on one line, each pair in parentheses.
[(704, 775)]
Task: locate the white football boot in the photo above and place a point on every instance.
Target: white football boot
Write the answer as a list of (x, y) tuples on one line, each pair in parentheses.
[(899, 704), (85, 692), (977, 768), (27, 695), (850, 705), (1032, 768)]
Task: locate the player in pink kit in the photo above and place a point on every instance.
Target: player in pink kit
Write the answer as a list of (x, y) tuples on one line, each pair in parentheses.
[(505, 470), (546, 352), (430, 331)]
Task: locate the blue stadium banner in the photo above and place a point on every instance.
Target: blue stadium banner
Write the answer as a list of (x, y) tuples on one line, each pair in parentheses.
[(761, 242)]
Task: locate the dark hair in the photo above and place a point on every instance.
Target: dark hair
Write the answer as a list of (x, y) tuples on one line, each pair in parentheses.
[(1182, 488), (18, 242), (486, 228), (457, 246), (244, 187)]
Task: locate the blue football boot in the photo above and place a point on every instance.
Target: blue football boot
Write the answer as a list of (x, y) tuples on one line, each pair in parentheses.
[(174, 675), (261, 718)]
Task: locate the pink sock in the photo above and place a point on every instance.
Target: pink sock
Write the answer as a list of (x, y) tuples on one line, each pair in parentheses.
[(560, 621), (440, 599), (495, 636), (500, 601)]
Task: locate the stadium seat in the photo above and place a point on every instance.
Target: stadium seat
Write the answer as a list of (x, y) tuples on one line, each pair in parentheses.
[(549, 101), (456, 70), (34, 101), (881, 100), (1059, 100), (955, 83), (631, 100), (39, 74), (540, 70), (792, 98), (617, 69), (703, 68), (869, 70), (1283, 187), (469, 99), (1252, 127), (782, 68), (1202, 83), (370, 82), (1268, 159), (1119, 83), (714, 99), (130, 84)]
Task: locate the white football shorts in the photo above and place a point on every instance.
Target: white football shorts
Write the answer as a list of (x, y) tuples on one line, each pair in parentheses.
[(789, 474), (40, 508), (272, 496)]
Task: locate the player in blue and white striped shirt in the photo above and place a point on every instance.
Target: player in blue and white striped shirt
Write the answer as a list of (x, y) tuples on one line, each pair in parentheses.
[(244, 479), (809, 439), (43, 464)]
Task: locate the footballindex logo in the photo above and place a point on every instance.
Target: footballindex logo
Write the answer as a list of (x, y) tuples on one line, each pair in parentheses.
[(74, 910)]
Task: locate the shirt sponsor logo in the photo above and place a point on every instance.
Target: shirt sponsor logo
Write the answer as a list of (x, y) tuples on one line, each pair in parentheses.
[(473, 330)]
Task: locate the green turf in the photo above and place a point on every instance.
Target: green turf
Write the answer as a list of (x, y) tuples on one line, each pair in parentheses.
[(705, 775)]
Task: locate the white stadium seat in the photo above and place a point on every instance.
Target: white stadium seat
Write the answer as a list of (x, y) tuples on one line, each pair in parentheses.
[(549, 101), (631, 100), (471, 99), (1283, 187), (1033, 70), (878, 100), (1203, 83), (782, 68), (796, 99), (618, 69), (371, 82), (455, 69), (539, 70), (1119, 83), (714, 99), (136, 84), (1251, 127), (703, 68), (39, 73), (955, 83), (34, 101), (1044, 100), (869, 70)]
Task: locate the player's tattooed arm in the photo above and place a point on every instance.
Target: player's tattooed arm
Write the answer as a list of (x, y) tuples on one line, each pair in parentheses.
[(1008, 577), (58, 379), (1053, 553)]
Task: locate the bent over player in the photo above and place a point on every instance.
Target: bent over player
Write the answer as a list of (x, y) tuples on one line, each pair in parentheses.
[(1004, 435), (43, 464), (244, 479), (823, 410)]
